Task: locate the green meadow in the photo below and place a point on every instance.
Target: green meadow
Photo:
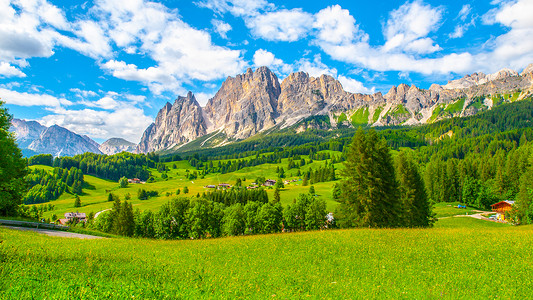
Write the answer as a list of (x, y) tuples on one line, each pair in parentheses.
[(94, 198), (459, 258)]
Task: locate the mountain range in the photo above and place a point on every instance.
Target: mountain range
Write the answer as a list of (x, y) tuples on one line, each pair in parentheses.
[(34, 138), (257, 102)]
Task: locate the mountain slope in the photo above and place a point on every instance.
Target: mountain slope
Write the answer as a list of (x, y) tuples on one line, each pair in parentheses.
[(255, 102), (54, 140), (116, 145)]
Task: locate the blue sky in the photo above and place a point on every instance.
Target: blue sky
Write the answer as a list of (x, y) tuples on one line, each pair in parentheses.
[(104, 68)]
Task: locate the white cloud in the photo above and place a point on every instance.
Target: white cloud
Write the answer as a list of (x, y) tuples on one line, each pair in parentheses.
[(265, 58), (221, 27), (282, 25), (202, 98), (353, 86), (126, 122), (464, 12), (336, 25), (83, 93), (409, 23), (181, 53), (462, 27), (91, 40), (8, 70), (316, 67), (30, 99), (237, 8), (513, 49)]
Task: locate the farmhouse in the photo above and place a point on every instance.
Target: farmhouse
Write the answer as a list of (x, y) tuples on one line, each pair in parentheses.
[(224, 185), (81, 217), (269, 182), (210, 186), (501, 208), (134, 180)]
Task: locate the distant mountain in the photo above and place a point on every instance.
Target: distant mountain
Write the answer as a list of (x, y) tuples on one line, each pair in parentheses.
[(34, 138), (116, 145), (255, 102)]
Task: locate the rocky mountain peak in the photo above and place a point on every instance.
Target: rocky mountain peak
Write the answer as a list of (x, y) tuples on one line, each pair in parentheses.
[(116, 145), (174, 125), (245, 104), (527, 70)]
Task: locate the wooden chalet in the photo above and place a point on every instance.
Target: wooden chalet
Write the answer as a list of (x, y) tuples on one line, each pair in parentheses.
[(134, 180), (501, 208), (269, 182), (75, 215)]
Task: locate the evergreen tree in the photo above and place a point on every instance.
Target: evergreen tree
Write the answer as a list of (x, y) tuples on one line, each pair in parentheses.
[(77, 201), (414, 201), (277, 197), (312, 190), (12, 168), (369, 189), (185, 190)]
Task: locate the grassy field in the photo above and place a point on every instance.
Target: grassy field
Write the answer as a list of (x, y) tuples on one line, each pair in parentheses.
[(460, 258), (449, 209), (95, 198)]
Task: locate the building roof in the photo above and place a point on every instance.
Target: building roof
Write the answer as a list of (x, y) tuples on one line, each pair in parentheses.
[(502, 202)]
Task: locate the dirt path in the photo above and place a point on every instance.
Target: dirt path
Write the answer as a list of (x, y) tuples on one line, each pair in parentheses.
[(98, 213), (59, 233)]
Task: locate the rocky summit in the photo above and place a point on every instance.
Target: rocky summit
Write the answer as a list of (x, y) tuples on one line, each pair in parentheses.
[(255, 101), (116, 145), (54, 140)]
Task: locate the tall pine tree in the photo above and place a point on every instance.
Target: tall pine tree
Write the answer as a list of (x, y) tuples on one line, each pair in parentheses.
[(369, 189), (414, 201)]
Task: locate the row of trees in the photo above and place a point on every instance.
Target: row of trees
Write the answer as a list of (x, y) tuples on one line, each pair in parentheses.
[(183, 218)]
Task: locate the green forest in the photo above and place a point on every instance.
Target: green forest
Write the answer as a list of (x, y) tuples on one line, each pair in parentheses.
[(381, 177)]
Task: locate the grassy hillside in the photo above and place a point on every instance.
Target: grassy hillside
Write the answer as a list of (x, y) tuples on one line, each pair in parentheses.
[(95, 197), (459, 258)]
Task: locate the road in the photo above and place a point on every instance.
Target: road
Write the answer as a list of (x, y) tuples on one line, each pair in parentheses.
[(59, 233)]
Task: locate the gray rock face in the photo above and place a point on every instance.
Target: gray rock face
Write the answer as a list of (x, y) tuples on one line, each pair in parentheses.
[(174, 125), (116, 145), (54, 140), (255, 101), (245, 104), (26, 131)]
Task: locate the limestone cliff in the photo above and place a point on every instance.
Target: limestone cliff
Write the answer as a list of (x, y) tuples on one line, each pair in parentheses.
[(174, 125), (253, 102)]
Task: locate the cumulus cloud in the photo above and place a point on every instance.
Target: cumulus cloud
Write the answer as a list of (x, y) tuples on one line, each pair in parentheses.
[(513, 49), (126, 122), (282, 25), (8, 70), (336, 25), (32, 99), (181, 53), (354, 86), (265, 58), (408, 24)]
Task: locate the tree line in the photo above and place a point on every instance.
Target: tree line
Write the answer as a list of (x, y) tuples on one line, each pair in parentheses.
[(218, 214)]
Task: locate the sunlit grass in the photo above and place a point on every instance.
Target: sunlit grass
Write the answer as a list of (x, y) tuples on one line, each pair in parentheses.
[(451, 261)]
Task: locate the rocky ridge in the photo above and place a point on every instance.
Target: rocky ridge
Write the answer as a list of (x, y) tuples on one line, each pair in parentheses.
[(116, 145), (54, 140), (255, 101)]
